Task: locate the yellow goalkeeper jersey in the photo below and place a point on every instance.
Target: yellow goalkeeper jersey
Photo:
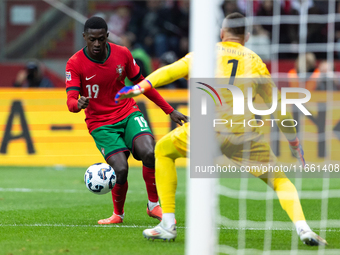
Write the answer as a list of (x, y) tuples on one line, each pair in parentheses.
[(239, 66)]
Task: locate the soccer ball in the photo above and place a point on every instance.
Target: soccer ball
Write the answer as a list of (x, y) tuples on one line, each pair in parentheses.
[(100, 178)]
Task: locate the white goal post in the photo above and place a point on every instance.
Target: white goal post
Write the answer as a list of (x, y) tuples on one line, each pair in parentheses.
[(201, 237)]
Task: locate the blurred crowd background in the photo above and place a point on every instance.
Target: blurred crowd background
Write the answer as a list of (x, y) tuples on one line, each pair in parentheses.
[(37, 37)]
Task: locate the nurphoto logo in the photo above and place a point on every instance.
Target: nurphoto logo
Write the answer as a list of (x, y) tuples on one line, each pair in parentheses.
[(238, 104)]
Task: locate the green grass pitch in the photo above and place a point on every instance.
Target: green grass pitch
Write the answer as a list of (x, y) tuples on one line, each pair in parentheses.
[(48, 211)]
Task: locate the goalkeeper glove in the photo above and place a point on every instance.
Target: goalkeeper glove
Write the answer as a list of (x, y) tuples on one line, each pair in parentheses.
[(297, 151), (132, 91)]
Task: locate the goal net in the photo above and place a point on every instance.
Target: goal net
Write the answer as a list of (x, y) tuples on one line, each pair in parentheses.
[(298, 42)]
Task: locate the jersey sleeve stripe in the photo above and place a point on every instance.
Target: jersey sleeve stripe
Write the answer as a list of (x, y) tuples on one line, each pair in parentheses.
[(136, 77), (73, 88)]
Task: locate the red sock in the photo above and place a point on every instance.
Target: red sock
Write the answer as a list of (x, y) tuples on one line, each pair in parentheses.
[(149, 178), (118, 197)]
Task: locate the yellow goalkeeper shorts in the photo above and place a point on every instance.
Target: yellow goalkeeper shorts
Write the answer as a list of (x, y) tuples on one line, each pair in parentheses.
[(180, 138), (247, 149)]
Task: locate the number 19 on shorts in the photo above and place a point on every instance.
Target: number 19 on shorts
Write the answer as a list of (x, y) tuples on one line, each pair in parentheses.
[(142, 123)]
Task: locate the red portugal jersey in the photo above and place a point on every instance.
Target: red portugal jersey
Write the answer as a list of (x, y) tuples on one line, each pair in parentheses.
[(100, 81)]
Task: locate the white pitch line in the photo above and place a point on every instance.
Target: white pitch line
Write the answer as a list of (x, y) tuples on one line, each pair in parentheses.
[(28, 190), (145, 226), (42, 190), (225, 249), (276, 229), (73, 226)]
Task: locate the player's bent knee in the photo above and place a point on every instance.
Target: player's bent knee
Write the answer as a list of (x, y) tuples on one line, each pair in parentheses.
[(273, 179), (122, 174), (165, 148), (121, 169), (148, 158), (158, 151), (283, 182)]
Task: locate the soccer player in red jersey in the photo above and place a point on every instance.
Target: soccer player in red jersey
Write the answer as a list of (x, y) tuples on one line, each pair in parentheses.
[(94, 75)]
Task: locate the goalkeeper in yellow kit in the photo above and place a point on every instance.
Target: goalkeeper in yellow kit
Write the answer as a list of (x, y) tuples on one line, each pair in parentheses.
[(233, 59)]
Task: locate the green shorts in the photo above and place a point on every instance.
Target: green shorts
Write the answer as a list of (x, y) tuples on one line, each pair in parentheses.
[(119, 137)]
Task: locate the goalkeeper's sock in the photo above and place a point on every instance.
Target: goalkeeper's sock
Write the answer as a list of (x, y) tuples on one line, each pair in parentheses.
[(168, 220), (149, 178), (301, 225), (118, 197), (166, 175), (289, 199)]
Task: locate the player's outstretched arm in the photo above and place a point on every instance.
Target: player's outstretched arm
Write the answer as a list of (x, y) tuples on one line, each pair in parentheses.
[(290, 132), (133, 91), (160, 77), (288, 129)]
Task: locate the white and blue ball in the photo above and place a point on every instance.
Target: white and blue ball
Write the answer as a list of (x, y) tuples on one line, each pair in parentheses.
[(100, 178)]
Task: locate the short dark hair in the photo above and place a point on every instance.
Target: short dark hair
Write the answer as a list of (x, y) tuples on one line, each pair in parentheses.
[(235, 23), (95, 23)]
